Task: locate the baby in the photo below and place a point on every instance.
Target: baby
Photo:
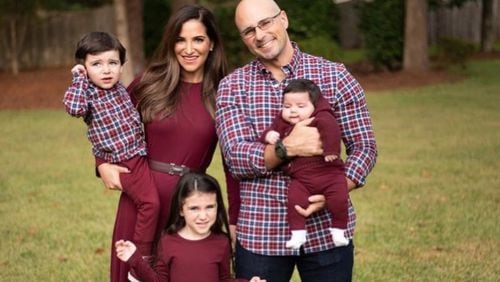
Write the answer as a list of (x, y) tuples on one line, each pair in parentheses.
[(324, 174)]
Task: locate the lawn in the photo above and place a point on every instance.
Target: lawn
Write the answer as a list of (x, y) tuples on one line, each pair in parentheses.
[(429, 211)]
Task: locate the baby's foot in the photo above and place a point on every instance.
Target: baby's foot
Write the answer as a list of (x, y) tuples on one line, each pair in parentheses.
[(338, 236)]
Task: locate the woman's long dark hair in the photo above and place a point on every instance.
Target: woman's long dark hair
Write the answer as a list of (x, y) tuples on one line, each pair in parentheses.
[(158, 93), (188, 184)]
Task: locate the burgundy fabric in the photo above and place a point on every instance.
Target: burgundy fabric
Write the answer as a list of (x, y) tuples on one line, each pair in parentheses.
[(185, 138), (140, 188), (184, 260)]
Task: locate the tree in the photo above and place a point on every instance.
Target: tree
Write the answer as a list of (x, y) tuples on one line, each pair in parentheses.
[(122, 32), (14, 19), (135, 10), (487, 30), (416, 54)]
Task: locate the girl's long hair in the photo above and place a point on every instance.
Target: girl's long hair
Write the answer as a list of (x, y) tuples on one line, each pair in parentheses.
[(188, 184), (158, 93)]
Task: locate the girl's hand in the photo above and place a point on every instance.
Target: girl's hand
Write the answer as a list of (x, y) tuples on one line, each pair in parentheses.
[(124, 250), (110, 175), (256, 279)]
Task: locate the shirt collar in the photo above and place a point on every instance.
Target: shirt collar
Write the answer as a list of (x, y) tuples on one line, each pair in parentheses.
[(288, 68)]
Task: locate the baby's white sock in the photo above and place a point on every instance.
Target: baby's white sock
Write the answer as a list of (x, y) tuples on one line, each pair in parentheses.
[(298, 238), (338, 236)]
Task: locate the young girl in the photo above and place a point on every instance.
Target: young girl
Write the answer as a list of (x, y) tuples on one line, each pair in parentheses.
[(195, 245)]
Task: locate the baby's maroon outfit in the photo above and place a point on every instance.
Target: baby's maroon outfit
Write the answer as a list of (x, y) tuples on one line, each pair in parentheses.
[(313, 175)]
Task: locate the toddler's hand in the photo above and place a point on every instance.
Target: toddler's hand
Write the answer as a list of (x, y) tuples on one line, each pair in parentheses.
[(124, 250), (331, 158), (272, 137), (79, 69)]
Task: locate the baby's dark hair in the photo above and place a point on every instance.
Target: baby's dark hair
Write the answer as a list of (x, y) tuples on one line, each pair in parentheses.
[(304, 85), (190, 183), (96, 42)]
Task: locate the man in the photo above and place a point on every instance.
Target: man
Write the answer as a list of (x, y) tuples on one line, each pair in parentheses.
[(248, 100)]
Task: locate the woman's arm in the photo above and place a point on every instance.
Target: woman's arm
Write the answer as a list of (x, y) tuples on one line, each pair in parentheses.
[(110, 175)]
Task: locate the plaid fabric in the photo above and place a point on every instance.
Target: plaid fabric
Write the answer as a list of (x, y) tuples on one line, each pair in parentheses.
[(114, 125), (248, 101)]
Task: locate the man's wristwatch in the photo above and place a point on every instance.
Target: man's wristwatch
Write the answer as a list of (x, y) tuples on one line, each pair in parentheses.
[(280, 150)]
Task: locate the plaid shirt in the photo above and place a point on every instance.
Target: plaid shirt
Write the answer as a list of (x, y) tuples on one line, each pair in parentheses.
[(114, 125), (248, 101)]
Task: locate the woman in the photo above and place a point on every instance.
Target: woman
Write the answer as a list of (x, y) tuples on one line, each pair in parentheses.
[(176, 99)]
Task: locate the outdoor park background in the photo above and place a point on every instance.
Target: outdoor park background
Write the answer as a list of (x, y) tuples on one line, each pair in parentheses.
[(429, 211)]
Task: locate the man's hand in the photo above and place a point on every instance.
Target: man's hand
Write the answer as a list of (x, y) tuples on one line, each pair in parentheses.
[(317, 203), (303, 141), (350, 185), (110, 175)]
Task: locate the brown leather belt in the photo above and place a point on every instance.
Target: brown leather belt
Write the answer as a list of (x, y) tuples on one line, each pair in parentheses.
[(169, 168)]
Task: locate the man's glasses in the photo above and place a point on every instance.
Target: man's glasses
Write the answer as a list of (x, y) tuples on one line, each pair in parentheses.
[(264, 24)]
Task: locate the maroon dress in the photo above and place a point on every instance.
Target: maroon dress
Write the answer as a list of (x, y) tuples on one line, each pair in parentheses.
[(184, 260), (185, 138)]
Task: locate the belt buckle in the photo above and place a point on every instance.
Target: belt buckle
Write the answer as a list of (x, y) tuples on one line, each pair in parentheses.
[(176, 169)]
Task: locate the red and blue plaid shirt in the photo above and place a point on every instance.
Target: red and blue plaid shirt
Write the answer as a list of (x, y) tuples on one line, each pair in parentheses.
[(114, 125), (248, 101)]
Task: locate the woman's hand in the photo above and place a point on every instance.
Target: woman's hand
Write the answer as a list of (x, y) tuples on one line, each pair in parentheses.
[(110, 175), (124, 250), (317, 203)]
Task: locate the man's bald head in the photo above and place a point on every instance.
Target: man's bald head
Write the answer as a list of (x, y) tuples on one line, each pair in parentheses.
[(251, 10)]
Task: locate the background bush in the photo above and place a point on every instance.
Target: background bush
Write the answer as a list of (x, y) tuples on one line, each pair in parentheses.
[(382, 25)]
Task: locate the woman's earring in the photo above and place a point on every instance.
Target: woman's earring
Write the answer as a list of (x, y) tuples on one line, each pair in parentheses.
[(211, 49)]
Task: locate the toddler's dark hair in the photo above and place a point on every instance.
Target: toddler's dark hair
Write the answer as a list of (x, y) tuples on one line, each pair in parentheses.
[(96, 42)]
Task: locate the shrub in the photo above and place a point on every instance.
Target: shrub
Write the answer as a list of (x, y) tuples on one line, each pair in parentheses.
[(382, 25), (452, 51)]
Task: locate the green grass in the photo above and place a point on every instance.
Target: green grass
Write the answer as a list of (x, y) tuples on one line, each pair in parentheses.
[(428, 213)]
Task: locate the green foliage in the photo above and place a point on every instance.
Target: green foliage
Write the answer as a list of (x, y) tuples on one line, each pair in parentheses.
[(311, 18), (382, 25), (17, 8), (74, 5), (433, 4), (236, 52), (155, 16), (452, 51), (322, 46)]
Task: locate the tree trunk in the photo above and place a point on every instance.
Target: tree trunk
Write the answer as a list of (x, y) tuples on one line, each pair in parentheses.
[(135, 10), (14, 64), (416, 53), (123, 35), (177, 4), (487, 30)]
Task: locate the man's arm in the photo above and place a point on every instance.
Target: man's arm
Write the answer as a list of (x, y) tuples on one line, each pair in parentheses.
[(356, 127)]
